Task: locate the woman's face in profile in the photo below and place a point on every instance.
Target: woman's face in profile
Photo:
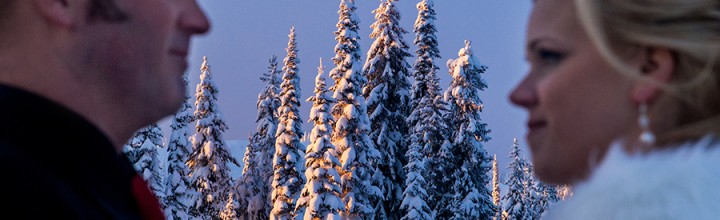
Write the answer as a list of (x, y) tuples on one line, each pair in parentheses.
[(577, 103)]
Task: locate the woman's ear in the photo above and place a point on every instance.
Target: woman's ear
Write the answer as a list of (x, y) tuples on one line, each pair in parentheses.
[(657, 67)]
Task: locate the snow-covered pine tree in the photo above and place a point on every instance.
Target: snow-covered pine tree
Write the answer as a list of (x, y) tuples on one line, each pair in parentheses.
[(428, 127), (142, 151), (248, 186), (254, 185), (427, 83), (468, 201), (209, 160), (178, 194), (388, 101), (517, 201), (469, 159), (347, 49), (544, 194), (288, 162), (443, 191), (532, 195), (496, 189), (358, 153), (564, 192), (414, 203), (231, 205), (320, 199), (551, 195)]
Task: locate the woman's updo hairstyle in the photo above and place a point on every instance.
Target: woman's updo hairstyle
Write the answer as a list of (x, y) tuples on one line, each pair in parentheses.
[(690, 29)]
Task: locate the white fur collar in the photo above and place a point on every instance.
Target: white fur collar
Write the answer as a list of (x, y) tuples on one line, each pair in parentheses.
[(682, 183)]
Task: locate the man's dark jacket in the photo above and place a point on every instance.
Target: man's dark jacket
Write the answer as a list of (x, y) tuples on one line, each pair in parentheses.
[(57, 165)]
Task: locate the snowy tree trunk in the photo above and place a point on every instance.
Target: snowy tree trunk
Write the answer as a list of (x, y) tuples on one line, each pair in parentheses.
[(496, 189)]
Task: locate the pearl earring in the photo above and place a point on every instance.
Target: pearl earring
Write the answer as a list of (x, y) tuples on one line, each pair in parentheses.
[(646, 137)]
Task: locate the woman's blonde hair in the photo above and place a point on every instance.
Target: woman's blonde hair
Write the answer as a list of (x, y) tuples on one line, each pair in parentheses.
[(688, 28)]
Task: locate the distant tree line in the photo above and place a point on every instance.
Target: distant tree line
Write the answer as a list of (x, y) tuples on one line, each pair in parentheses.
[(386, 143)]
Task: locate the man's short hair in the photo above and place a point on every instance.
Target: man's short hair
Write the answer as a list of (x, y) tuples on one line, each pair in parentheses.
[(106, 10), (4, 7)]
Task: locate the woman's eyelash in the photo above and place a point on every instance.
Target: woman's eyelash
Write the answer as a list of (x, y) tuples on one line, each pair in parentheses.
[(549, 56)]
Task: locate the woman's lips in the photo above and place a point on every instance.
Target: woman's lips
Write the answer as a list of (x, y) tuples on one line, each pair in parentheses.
[(534, 135), (534, 125)]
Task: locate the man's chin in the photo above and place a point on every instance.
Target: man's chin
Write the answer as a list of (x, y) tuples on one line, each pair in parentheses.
[(174, 106), (171, 104)]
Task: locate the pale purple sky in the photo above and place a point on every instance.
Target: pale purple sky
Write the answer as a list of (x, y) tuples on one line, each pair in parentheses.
[(245, 33)]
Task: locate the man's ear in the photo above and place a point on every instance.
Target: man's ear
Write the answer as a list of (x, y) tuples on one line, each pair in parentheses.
[(657, 68), (59, 12)]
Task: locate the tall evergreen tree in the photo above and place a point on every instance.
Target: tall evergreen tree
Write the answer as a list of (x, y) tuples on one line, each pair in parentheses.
[(469, 200), (320, 198), (229, 212), (543, 194), (254, 186), (178, 194), (414, 200), (517, 201), (535, 198), (357, 152), (427, 83), (142, 151), (496, 189), (288, 162), (388, 102), (251, 195), (209, 160), (428, 127), (471, 161), (347, 49), (564, 192), (442, 176)]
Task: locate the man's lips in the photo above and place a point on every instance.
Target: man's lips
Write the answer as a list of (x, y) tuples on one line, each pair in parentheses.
[(182, 54)]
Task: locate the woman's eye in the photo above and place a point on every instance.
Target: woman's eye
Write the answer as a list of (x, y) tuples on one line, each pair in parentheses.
[(549, 56)]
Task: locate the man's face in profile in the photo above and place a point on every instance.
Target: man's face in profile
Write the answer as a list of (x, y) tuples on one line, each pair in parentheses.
[(139, 48)]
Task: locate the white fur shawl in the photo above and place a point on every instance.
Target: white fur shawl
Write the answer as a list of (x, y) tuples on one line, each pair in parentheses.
[(682, 183)]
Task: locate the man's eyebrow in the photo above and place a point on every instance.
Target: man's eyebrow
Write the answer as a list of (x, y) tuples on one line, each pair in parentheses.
[(532, 45)]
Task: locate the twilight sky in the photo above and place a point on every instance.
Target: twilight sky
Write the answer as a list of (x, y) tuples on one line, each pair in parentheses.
[(245, 33)]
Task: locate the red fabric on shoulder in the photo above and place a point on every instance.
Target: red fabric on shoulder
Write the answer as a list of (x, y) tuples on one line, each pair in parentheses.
[(147, 202)]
